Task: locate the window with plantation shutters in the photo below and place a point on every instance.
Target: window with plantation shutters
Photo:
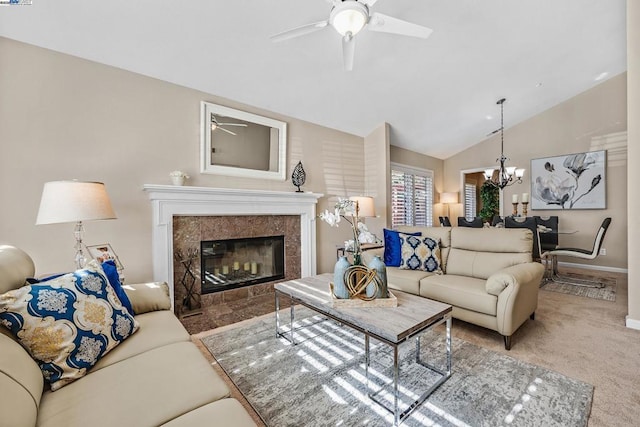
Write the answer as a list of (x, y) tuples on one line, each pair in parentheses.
[(470, 201), (411, 196)]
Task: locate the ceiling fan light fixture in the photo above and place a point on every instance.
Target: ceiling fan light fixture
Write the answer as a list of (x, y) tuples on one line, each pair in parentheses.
[(349, 17)]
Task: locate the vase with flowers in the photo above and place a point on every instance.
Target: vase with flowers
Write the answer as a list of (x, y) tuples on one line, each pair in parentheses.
[(349, 211)]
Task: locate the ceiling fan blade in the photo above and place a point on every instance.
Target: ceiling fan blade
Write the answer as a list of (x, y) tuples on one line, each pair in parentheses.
[(369, 2), (244, 125), (389, 24), (348, 51), (299, 31), (226, 130)]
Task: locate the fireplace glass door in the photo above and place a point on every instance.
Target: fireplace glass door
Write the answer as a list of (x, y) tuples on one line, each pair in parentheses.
[(234, 263)]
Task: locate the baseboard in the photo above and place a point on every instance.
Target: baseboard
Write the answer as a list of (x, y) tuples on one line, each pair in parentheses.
[(594, 267), (632, 323)]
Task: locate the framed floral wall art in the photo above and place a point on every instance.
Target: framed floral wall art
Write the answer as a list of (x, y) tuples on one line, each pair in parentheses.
[(573, 181)]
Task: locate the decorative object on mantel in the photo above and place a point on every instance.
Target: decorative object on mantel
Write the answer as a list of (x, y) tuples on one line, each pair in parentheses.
[(178, 177), (574, 181), (298, 177), (506, 175), (191, 304)]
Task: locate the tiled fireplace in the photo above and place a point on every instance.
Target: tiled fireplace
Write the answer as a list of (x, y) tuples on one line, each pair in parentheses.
[(182, 217), (228, 248)]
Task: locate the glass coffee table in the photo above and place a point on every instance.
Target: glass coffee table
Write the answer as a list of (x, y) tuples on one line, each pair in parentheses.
[(391, 326)]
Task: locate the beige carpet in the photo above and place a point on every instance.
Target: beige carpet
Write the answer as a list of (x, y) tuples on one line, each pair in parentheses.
[(582, 338)]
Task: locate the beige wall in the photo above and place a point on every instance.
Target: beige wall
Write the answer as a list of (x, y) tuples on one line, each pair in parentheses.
[(411, 158), (378, 176), (566, 128), (633, 197), (62, 118)]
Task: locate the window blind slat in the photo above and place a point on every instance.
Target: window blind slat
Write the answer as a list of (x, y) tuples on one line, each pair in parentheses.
[(411, 197), (470, 201)]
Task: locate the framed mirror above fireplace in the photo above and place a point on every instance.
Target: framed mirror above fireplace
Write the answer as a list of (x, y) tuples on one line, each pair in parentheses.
[(237, 143)]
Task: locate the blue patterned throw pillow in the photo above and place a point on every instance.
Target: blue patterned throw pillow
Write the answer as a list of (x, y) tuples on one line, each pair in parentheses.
[(420, 253), (393, 247), (67, 324)]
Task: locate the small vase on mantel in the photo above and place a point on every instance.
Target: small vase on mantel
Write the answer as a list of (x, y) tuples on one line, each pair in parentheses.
[(340, 289), (381, 270), (178, 178)]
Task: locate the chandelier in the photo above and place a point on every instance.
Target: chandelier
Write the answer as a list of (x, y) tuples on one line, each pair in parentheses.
[(506, 175)]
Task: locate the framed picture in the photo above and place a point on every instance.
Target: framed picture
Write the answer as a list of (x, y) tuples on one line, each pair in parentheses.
[(104, 252), (572, 181)]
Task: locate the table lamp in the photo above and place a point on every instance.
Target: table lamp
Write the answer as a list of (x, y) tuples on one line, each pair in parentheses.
[(364, 205), (74, 201), (448, 198)]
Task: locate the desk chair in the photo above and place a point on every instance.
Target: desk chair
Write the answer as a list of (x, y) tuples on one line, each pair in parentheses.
[(474, 223), (530, 223), (578, 253)]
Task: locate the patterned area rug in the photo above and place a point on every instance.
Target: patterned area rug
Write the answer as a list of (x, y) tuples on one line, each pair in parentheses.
[(608, 293), (321, 381)]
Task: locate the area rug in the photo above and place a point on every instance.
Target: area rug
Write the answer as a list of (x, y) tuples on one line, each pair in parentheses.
[(321, 380), (607, 293)]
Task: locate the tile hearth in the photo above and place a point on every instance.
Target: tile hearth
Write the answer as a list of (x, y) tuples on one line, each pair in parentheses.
[(231, 312)]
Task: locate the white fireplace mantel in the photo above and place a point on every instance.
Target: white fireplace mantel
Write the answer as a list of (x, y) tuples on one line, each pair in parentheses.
[(168, 201)]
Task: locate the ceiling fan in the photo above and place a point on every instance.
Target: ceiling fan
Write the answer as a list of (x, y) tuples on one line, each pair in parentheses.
[(217, 125), (348, 17)]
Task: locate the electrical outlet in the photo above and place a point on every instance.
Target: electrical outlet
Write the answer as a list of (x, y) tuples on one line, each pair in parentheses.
[(603, 251)]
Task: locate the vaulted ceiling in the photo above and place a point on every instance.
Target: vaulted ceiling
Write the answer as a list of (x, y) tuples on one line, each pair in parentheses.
[(439, 95)]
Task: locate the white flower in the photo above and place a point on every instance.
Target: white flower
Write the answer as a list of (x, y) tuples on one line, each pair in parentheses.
[(366, 237), (348, 245), (179, 174), (333, 219)]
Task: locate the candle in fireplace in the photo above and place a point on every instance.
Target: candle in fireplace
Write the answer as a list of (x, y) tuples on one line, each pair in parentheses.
[(254, 268), (236, 266), (225, 269), (246, 266)]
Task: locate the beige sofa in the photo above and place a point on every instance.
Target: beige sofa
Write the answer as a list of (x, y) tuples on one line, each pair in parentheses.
[(489, 277), (155, 377)]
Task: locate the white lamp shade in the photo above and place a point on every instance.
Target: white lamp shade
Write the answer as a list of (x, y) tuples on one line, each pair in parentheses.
[(488, 173), (449, 197), (519, 173), (72, 201), (365, 206)]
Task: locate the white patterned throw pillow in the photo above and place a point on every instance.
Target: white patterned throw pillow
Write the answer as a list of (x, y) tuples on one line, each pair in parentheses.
[(420, 253), (68, 323)]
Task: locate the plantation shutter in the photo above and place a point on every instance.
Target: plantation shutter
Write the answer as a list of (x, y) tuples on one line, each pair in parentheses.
[(411, 196), (470, 201)]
